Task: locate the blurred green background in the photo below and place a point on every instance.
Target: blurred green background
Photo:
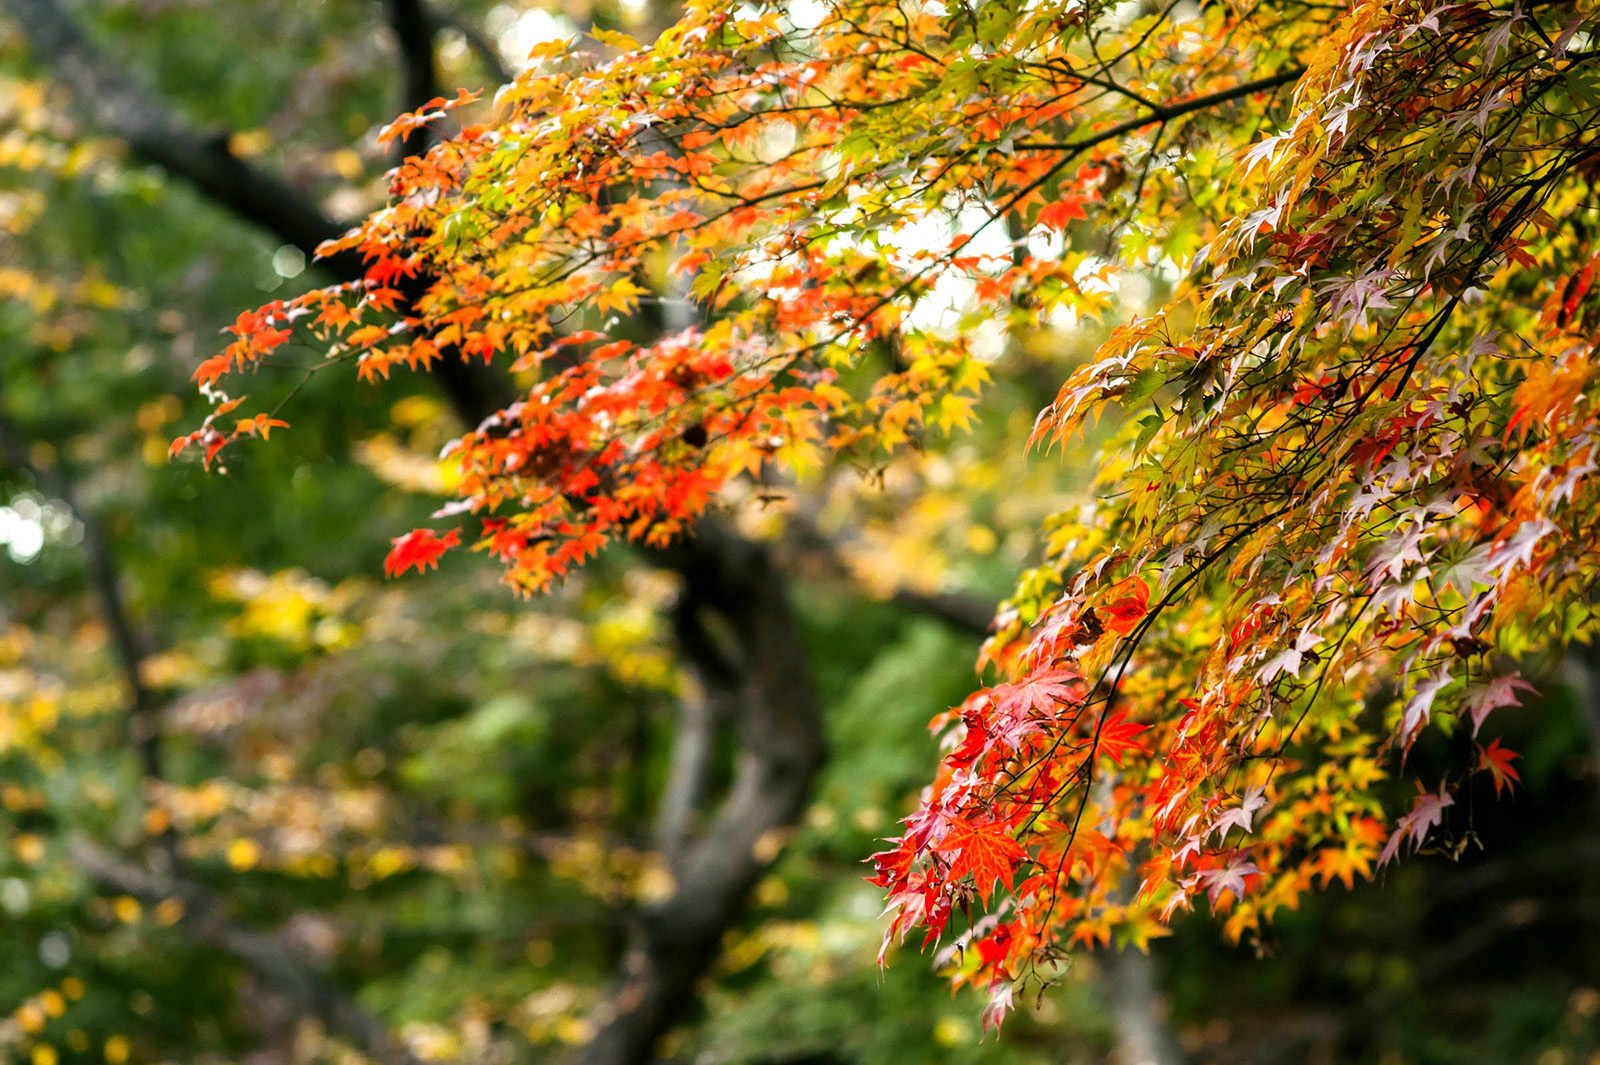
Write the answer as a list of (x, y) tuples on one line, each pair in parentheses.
[(437, 798)]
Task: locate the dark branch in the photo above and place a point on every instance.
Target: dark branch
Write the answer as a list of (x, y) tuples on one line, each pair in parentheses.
[(1158, 114), (413, 28), (264, 954), (780, 749), (144, 731), (116, 102)]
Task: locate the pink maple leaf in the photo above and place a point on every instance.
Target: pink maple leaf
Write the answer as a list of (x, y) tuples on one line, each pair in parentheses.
[(1426, 812)]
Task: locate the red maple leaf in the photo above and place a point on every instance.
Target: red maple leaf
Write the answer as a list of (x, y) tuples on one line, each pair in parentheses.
[(986, 851), (1057, 215), (1116, 737), (1123, 614), (420, 548), (212, 369), (993, 948), (1038, 693), (1497, 760)]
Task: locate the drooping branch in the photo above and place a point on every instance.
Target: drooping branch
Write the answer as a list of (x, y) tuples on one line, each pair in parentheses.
[(263, 954), (1160, 114), (143, 726), (112, 99)]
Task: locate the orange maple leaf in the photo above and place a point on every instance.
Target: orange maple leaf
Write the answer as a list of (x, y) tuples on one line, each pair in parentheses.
[(1057, 215), (1123, 614), (1116, 737), (986, 851)]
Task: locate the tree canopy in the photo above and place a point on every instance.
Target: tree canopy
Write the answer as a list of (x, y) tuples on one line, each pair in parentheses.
[(1353, 472)]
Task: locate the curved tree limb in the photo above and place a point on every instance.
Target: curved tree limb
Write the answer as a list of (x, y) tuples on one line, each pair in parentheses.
[(780, 750), (115, 101), (264, 954), (143, 725)]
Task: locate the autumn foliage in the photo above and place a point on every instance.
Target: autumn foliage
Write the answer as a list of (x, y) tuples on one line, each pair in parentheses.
[(1352, 483)]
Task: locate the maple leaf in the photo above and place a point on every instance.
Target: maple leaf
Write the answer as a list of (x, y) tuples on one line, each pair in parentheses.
[(1115, 737), (406, 124), (993, 948), (1308, 390), (1123, 614), (1427, 811), (1056, 215), (213, 368), (1038, 694), (1231, 879), (1483, 698), (1420, 705), (987, 851), (1420, 500), (1497, 760), (1344, 864), (1139, 932), (1390, 559), (420, 548), (1240, 816), (1002, 995), (1471, 569)]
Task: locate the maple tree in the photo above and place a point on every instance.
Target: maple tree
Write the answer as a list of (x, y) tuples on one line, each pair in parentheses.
[(1352, 481)]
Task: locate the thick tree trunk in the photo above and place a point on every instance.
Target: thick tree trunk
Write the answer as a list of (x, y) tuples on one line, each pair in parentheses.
[(779, 730), (1128, 982)]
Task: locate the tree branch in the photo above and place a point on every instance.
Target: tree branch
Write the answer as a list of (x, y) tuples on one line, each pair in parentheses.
[(144, 730), (264, 954), (113, 100), (780, 749), (413, 28), (1159, 114), (780, 730)]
